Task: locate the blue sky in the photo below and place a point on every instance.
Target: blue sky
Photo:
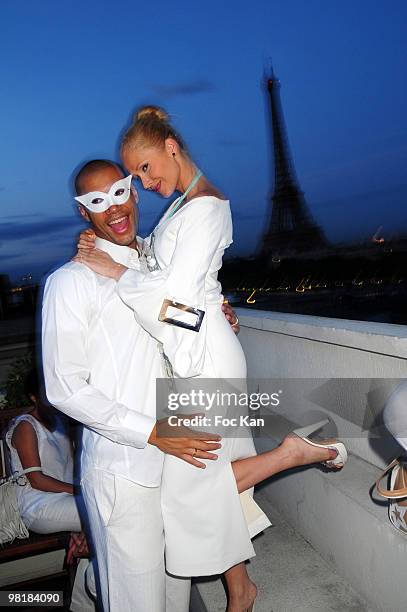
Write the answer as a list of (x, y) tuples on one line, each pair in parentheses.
[(72, 74)]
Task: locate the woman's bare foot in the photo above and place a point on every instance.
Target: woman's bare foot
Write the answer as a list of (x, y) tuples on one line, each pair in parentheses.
[(242, 598), (303, 453)]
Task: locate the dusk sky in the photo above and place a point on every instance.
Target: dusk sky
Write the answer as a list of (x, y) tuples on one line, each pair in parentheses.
[(74, 72)]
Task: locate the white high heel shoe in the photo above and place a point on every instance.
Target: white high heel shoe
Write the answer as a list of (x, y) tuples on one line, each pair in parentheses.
[(342, 455)]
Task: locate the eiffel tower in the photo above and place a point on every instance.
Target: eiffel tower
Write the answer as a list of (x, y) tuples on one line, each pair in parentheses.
[(292, 229)]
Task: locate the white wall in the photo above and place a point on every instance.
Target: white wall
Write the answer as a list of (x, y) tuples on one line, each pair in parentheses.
[(372, 357)]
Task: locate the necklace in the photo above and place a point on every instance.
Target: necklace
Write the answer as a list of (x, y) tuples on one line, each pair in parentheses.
[(148, 250), (182, 198)]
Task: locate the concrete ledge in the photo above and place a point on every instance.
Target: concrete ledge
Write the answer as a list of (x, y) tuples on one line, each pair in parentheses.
[(383, 338), (335, 513), (355, 366)]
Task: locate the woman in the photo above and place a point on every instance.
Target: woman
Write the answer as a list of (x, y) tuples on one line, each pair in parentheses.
[(46, 502), (205, 528)]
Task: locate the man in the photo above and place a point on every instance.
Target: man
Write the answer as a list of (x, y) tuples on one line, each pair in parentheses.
[(100, 368)]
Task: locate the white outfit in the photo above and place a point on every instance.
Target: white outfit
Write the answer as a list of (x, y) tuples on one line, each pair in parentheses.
[(100, 368), (395, 414), (205, 529), (128, 537), (46, 512), (97, 366)]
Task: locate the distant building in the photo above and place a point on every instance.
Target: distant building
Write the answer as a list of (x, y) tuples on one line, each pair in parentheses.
[(292, 229)]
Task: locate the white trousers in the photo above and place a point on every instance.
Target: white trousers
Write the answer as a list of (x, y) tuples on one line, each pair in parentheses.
[(59, 512), (395, 414), (128, 537)]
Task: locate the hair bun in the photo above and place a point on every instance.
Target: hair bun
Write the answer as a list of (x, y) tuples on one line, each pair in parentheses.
[(151, 111)]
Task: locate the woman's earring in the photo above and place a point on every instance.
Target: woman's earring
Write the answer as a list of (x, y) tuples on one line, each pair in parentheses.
[(173, 154)]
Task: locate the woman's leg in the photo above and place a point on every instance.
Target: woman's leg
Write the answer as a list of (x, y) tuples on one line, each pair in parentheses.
[(292, 452), (241, 590), (59, 512)]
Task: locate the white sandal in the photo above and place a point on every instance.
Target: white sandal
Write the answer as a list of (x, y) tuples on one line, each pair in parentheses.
[(342, 455), (392, 493), (397, 509)]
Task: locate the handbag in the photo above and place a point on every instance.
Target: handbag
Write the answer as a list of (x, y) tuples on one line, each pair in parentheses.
[(396, 473), (11, 524)]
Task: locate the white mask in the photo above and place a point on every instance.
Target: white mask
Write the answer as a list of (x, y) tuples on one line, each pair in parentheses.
[(99, 201)]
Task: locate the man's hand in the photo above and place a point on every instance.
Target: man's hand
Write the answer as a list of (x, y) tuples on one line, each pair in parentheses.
[(184, 443), (231, 316)]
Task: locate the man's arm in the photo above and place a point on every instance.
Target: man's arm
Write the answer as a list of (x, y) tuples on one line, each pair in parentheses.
[(66, 312)]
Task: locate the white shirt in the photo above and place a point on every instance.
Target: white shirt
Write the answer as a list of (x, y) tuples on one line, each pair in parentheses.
[(100, 368)]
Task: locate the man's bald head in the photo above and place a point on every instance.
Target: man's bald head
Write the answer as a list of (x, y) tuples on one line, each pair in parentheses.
[(119, 223), (92, 168)]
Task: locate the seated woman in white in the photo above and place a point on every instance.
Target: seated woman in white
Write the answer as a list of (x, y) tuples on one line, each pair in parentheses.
[(46, 502), (205, 529)]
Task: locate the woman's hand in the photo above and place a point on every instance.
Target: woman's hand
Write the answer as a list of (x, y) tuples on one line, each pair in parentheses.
[(86, 240), (231, 316), (101, 263), (77, 547)]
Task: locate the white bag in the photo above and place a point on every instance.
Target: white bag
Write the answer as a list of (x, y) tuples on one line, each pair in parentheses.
[(11, 523)]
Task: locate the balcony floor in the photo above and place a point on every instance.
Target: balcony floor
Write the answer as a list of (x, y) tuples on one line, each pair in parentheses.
[(289, 574)]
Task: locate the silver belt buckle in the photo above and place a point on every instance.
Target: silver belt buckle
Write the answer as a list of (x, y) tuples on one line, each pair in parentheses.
[(183, 308)]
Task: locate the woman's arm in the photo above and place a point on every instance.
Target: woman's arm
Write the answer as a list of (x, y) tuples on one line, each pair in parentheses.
[(204, 228), (25, 442)]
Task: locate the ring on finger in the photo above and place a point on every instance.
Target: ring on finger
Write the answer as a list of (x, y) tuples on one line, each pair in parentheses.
[(236, 321)]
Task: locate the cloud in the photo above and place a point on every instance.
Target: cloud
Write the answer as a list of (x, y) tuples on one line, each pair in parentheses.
[(395, 193), (59, 238), (20, 217), (44, 226), (5, 258), (184, 89)]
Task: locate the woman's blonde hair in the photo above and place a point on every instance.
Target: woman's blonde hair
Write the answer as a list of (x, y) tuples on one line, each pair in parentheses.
[(151, 127)]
